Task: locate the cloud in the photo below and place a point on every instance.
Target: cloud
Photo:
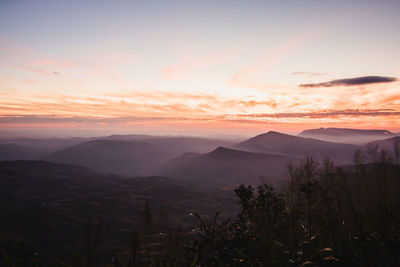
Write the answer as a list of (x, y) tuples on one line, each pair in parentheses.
[(391, 99), (309, 73), (352, 81), (138, 103), (250, 103), (327, 114), (238, 118), (43, 119)]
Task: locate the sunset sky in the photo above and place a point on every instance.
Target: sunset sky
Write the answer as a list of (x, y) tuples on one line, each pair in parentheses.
[(75, 68)]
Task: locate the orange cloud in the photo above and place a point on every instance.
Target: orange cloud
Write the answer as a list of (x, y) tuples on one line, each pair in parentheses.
[(250, 103), (391, 99)]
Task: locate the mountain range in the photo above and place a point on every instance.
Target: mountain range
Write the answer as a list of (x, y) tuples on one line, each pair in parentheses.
[(227, 166), (131, 157), (114, 178), (190, 158)]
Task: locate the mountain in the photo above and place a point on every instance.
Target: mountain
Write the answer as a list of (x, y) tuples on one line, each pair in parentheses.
[(128, 137), (300, 147), (34, 149), (130, 156), (39, 148), (346, 131), (344, 135), (227, 167), (40, 167), (49, 204), (10, 151), (113, 156), (45, 145)]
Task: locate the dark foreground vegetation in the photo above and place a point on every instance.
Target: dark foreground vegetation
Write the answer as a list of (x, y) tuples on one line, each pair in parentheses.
[(326, 216)]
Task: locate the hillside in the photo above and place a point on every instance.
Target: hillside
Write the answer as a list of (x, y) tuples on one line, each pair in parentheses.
[(131, 157), (228, 167), (11, 151), (49, 203), (44, 145), (295, 146)]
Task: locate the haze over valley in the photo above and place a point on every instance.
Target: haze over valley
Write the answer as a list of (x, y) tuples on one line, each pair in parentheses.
[(194, 158), (59, 182)]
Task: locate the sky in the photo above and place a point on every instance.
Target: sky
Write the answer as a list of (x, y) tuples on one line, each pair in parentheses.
[(78, 68)]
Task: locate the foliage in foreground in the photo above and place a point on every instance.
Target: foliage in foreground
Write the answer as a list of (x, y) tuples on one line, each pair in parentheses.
[(326, 217)]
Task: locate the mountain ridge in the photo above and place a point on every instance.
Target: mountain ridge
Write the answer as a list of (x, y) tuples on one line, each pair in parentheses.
[(229, 166), (346, 131), (347, 135), (296, 146)]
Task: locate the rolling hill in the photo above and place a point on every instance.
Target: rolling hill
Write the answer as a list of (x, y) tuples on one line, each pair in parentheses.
[(49, 204), (226, 166), (11, 151), (300, 147), (131, 157)]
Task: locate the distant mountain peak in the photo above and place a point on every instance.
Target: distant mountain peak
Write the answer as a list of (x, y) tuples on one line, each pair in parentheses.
[(345, 131), (272, 135), (273, 138), (273, 132), (296, 146), (347, 135), (222, 150)]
